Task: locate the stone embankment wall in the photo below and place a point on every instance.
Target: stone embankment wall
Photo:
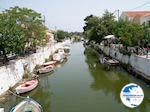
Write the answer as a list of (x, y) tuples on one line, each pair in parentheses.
[(139, 64), (11, 74)]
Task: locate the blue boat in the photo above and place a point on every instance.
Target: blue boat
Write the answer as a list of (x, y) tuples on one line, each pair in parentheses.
[(27, 105)]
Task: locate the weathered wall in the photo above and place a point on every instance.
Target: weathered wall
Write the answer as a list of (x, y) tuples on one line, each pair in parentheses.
[(11, 74), (140, 64)]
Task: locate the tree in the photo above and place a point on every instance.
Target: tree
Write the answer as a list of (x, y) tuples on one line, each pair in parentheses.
[(90, 28), (19, 26), (60, 34), (108, 21), (32, 22), (97, 27), (130, 34), (12, 36)]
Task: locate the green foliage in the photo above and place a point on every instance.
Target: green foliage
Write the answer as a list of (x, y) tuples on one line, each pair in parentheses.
[(12, 35), (47, 59), (129, 33), (97, 27), (50, 58), (27, 75), (62, 34), (37, 67), (20, 27), (125, 52), (76, 36)]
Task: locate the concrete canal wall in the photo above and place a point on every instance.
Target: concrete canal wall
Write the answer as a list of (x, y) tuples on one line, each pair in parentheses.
[(11, 74), (139, 64)]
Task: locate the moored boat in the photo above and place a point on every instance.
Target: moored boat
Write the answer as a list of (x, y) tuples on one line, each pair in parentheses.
[(45, 69), (61, 51), (49, 63), (58, 57), (27, 105), (66, 55), (27, 86), (66, 49), (110, 61)]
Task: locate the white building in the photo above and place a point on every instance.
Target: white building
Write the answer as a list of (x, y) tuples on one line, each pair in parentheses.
[(141, 17)]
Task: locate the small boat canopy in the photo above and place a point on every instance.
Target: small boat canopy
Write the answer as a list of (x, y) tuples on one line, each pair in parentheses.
[(109, 37)]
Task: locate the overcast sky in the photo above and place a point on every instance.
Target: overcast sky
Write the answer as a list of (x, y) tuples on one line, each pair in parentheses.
[(69, 14)]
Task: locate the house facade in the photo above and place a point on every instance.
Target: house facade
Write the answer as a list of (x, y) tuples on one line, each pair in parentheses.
[(49, 36), (141, 17)]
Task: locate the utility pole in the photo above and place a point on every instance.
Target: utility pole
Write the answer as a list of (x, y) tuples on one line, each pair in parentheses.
[(118, 14), (44, 19), (56, 32), (117, 11)]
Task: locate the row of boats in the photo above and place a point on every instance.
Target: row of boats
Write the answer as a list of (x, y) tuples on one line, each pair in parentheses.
[(57, 57), (28, 104)]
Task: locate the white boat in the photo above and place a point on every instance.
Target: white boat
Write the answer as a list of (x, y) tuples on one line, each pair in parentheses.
[(66, 48), (61, 51), (27, 105), (67, 54), (46, 69), (58, 57), (109, 61), (49, 63)]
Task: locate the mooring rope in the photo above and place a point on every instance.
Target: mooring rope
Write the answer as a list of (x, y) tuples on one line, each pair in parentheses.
[(16, 94)]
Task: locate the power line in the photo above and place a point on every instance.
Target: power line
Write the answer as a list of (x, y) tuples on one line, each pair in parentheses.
[(147, 3)]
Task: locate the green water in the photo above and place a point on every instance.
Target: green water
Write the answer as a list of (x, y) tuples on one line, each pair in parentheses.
[(81, 84)]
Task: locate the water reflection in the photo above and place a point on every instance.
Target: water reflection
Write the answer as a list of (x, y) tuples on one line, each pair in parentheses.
[(111, 82)]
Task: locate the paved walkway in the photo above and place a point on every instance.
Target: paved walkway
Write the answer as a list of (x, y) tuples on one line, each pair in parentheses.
[(144, 56)]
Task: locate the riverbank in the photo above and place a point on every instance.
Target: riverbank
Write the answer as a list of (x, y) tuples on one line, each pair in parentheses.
[(136, 65), (13, 73)]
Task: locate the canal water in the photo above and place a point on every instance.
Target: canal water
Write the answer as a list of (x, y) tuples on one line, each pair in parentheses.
[(81, 84)]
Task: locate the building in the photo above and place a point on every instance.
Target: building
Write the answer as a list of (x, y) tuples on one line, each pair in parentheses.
[(49, 36), (141, 17)]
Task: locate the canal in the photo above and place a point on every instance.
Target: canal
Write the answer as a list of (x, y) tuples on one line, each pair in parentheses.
[(81, 84)]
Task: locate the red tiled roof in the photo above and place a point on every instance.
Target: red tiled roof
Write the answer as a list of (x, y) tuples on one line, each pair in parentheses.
[(137, 13)]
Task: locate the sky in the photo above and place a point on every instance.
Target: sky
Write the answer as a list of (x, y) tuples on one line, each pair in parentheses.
[(69, 15)]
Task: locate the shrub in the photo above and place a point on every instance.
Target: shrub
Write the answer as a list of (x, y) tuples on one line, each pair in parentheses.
[(125, 52)]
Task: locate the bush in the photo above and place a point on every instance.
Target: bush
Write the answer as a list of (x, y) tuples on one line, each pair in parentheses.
[(37, 67), (125, 52), (46, 59), (27, 75)]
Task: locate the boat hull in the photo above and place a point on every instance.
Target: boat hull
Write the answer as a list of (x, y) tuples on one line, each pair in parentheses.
[(46, 69), (27, 86), (58, 57), (27, 105), (49, 63), (111, 62)]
